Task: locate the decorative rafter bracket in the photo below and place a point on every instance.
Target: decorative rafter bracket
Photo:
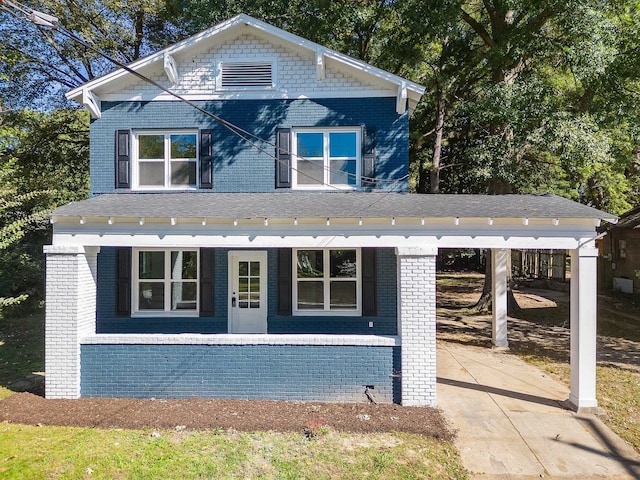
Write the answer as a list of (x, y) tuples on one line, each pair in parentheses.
[(91, 103), (320, 65), (401, 100), (171, 68)]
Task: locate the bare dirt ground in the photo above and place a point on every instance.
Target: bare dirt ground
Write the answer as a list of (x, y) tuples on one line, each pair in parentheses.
[(542, 327), (226, 415)]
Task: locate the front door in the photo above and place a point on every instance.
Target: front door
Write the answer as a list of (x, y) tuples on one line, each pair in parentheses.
[(247, 292)]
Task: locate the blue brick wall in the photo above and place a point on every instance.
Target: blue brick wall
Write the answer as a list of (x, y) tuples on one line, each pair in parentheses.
[(385, 323), (238, 166), (277, 372)]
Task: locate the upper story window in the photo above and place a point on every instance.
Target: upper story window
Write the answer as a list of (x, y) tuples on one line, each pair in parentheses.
[(165, 159), (326, 158), (247, 75)]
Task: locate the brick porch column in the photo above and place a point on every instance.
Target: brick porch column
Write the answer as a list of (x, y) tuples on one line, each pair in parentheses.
[(583, 317), (70, 313), (417, 324)]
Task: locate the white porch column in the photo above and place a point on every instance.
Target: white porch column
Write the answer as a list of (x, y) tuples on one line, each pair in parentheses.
[(70, 314), (583, 314), (499, 297), (417, 324)]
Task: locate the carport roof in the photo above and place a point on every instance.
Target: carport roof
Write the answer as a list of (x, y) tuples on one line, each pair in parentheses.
[(327, 204)]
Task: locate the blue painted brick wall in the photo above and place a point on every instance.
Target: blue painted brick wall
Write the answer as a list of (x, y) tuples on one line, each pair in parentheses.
[(385, 323), (238, 166), (277, 372)]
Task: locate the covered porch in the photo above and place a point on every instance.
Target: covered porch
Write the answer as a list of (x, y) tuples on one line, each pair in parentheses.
[(396, 364)]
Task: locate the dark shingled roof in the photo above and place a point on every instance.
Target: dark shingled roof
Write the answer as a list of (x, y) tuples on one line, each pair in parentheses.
[(630, 219), (327, 204)]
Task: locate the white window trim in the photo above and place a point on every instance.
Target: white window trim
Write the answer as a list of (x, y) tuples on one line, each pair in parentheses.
[(135, 281), (327, 312), (326, 185), (135, 172), (235, 59)]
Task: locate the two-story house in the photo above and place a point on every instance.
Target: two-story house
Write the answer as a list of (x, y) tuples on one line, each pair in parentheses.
[(254, 238)]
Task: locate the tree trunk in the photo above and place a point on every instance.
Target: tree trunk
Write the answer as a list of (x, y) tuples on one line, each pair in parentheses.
[(434, 184)]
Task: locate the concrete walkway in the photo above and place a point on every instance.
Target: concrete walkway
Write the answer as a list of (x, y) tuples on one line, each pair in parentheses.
[(511, 424)]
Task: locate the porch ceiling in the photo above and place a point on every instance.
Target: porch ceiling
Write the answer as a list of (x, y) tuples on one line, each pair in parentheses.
[(328, 204)]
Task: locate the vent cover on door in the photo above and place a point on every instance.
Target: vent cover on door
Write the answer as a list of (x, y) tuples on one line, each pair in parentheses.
[(246, 75)]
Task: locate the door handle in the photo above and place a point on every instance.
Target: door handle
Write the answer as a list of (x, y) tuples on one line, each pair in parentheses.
[(233, 301)]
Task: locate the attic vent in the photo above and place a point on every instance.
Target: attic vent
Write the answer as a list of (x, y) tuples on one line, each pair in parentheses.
[(246, 75)]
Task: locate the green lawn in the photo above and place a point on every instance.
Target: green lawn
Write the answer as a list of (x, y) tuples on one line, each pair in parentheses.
[(62, 452)]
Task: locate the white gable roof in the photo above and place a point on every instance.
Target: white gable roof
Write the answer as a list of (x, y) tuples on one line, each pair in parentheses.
[(307, 70)]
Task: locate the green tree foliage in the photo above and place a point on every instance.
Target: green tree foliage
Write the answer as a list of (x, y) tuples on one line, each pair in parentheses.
[(43, 164)]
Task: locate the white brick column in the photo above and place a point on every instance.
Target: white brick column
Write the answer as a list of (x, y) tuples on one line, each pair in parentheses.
[(499, 297), (583, 317), (70, 314), (417, 324)]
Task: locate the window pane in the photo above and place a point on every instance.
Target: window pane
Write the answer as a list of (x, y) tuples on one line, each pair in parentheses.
[(151, 146), (310, 172), (254, 286), (310, 263), (310, 144), (243, 268), (151, 265), (184, 295), (184, 265), (151, 174), (183, 173), (310, 295), (342, 296), (183, 146), (343, 263), (151, 296), (255, 269), (343, 172), (243, 284), (342, 144)]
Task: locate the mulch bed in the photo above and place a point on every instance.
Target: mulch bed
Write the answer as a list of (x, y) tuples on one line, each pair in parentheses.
[(232, 415)]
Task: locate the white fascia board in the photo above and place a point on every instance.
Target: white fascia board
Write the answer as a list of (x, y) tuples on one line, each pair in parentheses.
[(270, 30), (308, 241), (250, 95)]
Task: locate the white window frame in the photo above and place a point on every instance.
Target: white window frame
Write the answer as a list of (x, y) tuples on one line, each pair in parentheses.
[(135, 282), (135, 156), (266, 59), (326, 181), (326, 279)]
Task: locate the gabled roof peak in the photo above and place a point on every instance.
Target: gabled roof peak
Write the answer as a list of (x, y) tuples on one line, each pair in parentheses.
[(406, 91)]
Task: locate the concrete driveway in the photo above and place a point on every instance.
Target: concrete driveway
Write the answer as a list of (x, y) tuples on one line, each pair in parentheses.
[(511, 423)]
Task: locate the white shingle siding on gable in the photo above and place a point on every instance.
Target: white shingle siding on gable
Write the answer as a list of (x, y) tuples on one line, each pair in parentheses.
[(295, 73)]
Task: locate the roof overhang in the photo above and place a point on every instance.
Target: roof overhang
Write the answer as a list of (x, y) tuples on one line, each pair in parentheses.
[(262, 220), (407, 91)]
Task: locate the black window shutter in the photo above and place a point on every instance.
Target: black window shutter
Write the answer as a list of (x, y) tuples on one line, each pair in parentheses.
[(123, 282), (283, 158), (207, 300), (369, 299), (206, 159), (368, 157), (284, 281), (123, 159)]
